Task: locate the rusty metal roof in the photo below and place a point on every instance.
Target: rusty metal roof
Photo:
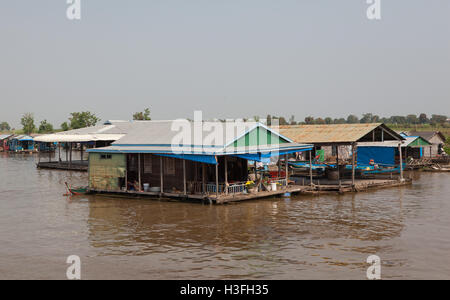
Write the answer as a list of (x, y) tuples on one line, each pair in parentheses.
[(330, 133)]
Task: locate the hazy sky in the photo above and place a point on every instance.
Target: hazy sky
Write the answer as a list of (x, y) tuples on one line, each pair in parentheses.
[(229, 58)]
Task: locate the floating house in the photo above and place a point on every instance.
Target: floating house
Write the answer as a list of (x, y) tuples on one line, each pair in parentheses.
[(21, 143), (387, 153), (4, 139), (81, 139), (152, 160), (436, 138)]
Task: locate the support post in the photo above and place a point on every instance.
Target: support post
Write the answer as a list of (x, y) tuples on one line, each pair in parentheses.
[(401, 162), (310, 168), (49, 155), (184, 177), (139, 172), (59, 152), (286, 168), (71, 147), (39, 157), (203, 179), (217, 179), (337, 162), (81, 149), (161, 171), (353, 165), (226, 175), (126, 172)]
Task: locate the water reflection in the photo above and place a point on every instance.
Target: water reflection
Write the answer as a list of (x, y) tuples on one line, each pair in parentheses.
[(280, 238)]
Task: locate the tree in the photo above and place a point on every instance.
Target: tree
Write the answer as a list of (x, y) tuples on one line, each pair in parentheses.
[(82, 119), (339, 121), (367, 118), (292, 120), (328, 120), (45, 127), (438, 119), (352, 119), (412, 119), (309, 120), (27, 122), (4, 126), (319, 121), (283, 121), (423, 118), (142, 116), (65, 126)]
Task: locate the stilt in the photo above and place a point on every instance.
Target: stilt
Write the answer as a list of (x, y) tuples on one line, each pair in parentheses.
[(226, 175), (353, 165), (217, 179), (337, 162), (161, 171), (286, 168), (184, 177), (310, 168), (139, 172), (203, 179), (401, 162), (71, 147)]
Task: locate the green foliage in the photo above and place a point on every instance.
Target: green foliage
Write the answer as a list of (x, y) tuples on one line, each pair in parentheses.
[(82, 119), (27, 122), (65, 126), (4, 126), (352, 119), (45, 127), (142, 116)]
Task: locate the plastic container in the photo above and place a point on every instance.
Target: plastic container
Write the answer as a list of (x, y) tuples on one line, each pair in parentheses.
[(274, 186), (146, 186)]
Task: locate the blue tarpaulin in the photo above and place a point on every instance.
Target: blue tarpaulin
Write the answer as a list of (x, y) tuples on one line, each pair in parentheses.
[(209, 159), (380, 155), (265, 157)]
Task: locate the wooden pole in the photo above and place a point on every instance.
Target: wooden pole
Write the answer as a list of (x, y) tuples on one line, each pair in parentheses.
[(337, 162), (39, 157), (161, 171), (126, 172), (203, 179), (217, 179), (353, 164), (226, 175), (59, 152), (81, 149), (139, 171), (310, 168), (49, 155), (184, 177), (401, 163), (286, 168), (71, 145)]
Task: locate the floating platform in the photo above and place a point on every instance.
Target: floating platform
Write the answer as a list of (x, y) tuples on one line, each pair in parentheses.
[(76, 165), (322, 187)]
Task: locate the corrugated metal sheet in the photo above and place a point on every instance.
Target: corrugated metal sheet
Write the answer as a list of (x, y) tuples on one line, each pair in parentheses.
[(332, 133), (110, 132), (410, 141), (4, 136)]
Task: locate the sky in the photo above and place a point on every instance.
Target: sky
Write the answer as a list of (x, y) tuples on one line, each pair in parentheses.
[(227, 58)]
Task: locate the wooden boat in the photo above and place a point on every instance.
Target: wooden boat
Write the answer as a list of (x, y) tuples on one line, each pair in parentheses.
[(76, 190)]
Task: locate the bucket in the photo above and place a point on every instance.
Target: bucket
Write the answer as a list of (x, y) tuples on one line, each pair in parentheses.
[(146, 186), (274, 186)]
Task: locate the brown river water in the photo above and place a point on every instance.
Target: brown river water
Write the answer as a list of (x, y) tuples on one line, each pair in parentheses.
[(304, 237)]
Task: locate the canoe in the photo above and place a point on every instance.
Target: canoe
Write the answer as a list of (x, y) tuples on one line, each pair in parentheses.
[(77, 190)]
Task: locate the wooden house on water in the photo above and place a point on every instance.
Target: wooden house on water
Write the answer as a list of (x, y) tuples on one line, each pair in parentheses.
[(4, 140), (436, 140), (21, 143), (67, 142), (151, 159)]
